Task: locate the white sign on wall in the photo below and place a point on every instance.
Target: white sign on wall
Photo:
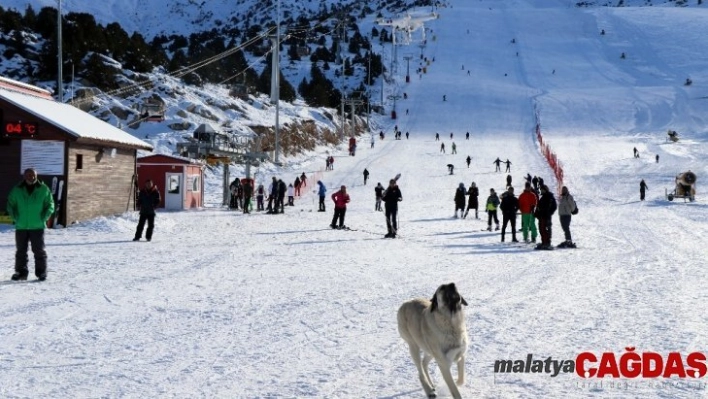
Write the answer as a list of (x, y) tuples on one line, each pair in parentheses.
[(46, 156)]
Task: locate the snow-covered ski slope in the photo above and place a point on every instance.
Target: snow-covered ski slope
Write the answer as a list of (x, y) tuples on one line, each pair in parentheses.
[(226, 305)]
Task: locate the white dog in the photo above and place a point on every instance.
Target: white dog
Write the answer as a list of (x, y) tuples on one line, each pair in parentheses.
[(437, 327)]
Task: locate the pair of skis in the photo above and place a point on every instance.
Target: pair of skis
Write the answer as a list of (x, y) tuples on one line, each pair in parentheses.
[(57, 193)]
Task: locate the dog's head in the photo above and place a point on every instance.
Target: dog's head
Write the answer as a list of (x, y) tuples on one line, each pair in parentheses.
[(446, 296)]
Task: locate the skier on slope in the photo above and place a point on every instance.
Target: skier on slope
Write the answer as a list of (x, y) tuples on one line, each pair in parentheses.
[(473, 202), (509, 205), (460, 200), (341, 199), (497, 162), (391, 197), (642, 189), (378, 190), (544, 211), (527, 205), (491, 208), (566, 208), (322, 191)]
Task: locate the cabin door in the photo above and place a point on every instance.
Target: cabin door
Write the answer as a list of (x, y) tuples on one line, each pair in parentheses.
[(173, 191)]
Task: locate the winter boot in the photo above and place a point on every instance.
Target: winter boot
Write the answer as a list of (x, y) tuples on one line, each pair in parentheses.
[(502, 237), (496, 228), (513, 239), (489, 227), (19, 277), (42, 277)]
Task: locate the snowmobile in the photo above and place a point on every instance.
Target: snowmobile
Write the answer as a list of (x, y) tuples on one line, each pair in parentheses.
[(685, 187)]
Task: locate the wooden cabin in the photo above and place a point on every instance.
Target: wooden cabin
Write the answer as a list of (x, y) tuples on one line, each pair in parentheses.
[(92, 161)]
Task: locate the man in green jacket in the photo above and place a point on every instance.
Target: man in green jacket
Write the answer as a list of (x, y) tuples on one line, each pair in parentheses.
[(30, 204)]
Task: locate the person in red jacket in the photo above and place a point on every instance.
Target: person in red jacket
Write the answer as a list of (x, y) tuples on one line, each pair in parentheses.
[(340, 198), (527, 204)]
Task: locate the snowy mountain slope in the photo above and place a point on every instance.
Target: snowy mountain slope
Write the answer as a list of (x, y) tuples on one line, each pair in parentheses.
[(228, 305)]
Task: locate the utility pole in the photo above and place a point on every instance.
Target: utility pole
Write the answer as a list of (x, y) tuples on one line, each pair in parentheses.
[(275, 85), (408, 67), (60, 60)]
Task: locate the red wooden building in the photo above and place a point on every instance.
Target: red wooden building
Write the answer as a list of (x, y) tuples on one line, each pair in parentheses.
[(179, 179)]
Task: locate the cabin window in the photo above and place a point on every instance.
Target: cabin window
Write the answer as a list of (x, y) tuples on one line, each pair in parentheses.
[(195, 183), (79, 161)]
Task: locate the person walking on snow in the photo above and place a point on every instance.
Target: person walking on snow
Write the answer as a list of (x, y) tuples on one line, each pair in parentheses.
[(148, 200), (642, 189), (636, 153), (508, 181), (509, 205), (341, 199), (303, 179), (321, 191), (379, 189), (442, 147), (30, 205), (454, 148), (372, 141), (437, 136), (497, 162), (473, 202), (366, 175), (566, 208), (527, 205), (392, 196), (469, 159), (491, 208), (467, 136), (460, 200), (508, 165)]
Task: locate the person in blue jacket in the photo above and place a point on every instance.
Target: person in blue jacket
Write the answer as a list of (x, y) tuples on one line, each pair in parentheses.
[(321, 192)]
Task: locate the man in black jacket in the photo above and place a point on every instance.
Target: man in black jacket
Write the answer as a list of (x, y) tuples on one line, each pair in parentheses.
[(148, 200), (544, 210), (509, 205), (282, 189), (391, 197)]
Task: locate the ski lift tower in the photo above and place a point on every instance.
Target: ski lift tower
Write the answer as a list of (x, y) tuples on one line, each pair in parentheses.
[(408, 67)]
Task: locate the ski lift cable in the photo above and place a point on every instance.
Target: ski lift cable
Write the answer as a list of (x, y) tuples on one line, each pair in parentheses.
[(178, 73), (191, 68)]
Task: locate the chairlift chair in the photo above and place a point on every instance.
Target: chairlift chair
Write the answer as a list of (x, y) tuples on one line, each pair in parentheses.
[(152, 112)]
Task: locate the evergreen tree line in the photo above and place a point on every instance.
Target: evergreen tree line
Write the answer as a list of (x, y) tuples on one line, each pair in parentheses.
[(88, 46)]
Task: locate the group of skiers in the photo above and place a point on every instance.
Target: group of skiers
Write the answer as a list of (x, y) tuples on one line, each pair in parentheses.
[(533, 203), (242, 193)]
